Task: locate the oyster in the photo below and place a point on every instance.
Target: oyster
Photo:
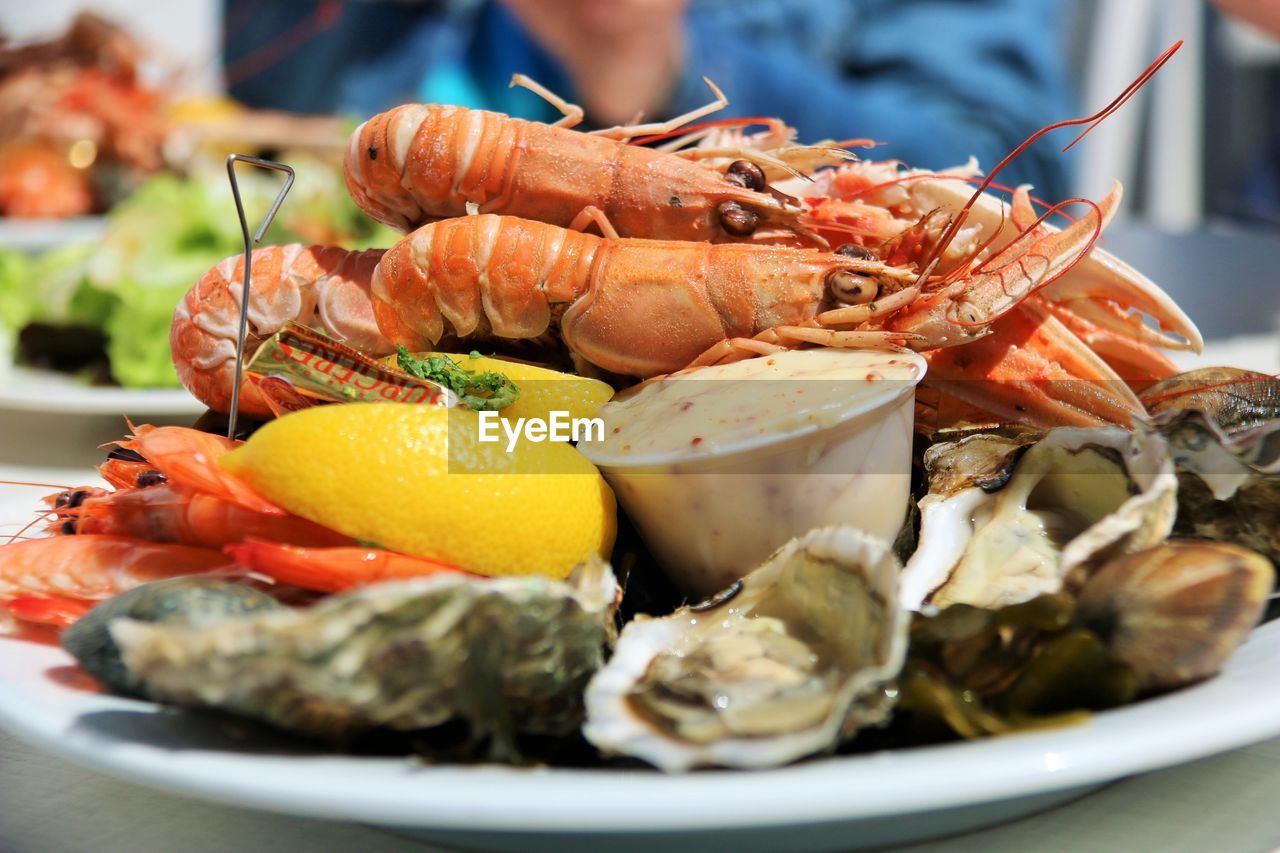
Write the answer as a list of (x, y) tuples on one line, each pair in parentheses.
[(786, 663), (1228, 481), (183, 600), (507, 655), (1006, 520), (976, 672), (1176, 612)]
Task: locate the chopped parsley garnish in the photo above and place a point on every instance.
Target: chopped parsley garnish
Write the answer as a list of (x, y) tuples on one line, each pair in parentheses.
[(479, 391)]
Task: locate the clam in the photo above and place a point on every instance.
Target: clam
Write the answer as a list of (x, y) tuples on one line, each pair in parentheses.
[(1175, 613), (788, 662), (1006, 520), (506, 655)]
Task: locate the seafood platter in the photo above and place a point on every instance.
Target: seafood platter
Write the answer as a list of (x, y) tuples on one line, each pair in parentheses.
[(777, 458)]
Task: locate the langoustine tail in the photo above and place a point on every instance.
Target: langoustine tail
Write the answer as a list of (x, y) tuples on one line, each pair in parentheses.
[(323, 287)]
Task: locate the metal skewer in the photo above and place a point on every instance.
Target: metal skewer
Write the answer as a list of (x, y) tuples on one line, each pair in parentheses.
[(232, 159)]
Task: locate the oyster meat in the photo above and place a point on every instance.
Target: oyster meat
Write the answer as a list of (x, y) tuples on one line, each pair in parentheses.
[(1006, 520), (506, 655), (786, 663)]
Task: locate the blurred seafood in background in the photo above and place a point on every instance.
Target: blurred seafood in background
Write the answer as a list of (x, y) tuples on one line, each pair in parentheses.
[(78, 121), (120, 291)]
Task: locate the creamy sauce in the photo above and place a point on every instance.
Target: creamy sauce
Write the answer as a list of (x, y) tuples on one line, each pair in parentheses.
[(747, 403), (721, 466)]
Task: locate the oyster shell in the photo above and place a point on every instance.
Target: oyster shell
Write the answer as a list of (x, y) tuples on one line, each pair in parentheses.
[(1005, 520), (789, 665), (507, 655), (1228, 482), (182, 600)]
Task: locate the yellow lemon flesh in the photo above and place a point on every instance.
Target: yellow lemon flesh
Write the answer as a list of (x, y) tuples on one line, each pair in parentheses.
[(541, 390), (415, 479)]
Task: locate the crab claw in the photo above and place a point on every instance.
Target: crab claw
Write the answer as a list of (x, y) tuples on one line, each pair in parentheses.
[(1103, 276), (1034, 370), (1129, 351), (1035, 259)]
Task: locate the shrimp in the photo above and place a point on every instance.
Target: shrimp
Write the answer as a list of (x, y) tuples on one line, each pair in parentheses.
[(164, 514), (37, 181), (179, 494), (419, 163), (331, 569), (319, 286), (95, 567), (187, 459)]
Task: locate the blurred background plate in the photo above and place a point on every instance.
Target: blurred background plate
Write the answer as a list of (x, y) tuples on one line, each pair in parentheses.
[(27, 390), (38, 235)]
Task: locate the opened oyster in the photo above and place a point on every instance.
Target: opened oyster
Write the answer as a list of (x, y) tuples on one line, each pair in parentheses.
[(509, 655), (1007, 519), (1228, 481), (786, 663)]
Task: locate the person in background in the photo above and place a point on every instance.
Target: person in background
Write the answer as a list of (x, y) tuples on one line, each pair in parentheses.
[(936, 80), (1263, 14)]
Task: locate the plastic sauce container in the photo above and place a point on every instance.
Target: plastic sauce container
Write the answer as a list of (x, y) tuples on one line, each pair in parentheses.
[(719, 467)]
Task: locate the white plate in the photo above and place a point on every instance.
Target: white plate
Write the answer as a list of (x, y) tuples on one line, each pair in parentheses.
[(26, 390), (37, 235), (839, 802)]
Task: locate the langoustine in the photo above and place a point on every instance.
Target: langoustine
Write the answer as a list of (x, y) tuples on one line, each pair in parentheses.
[(419, 163)]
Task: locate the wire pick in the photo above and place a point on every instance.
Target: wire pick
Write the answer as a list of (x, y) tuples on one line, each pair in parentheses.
[(249, 242)]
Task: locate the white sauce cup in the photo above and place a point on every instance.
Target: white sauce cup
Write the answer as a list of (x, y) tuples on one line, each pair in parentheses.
[(721, 466)]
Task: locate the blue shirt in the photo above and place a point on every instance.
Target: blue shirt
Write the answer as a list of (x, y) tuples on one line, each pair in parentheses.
[(936, 80)]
